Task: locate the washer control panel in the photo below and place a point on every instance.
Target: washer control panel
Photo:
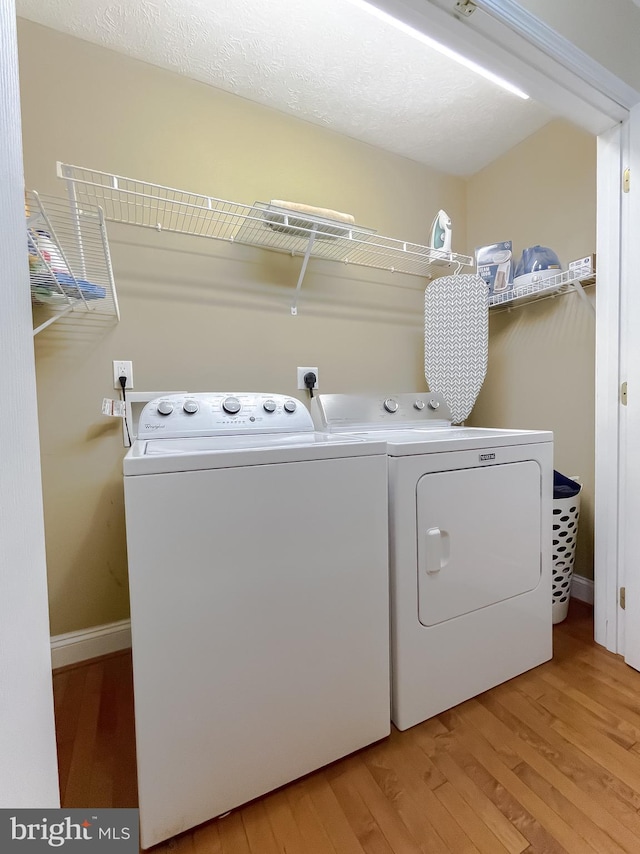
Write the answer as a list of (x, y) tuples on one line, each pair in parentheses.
[(343, 412), (177, 416)]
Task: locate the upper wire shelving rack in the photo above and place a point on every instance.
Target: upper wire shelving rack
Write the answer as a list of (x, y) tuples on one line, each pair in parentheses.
[(127, 200), (69, 260)]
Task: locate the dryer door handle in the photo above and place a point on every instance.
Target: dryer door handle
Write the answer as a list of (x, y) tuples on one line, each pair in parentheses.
[(437, 550)]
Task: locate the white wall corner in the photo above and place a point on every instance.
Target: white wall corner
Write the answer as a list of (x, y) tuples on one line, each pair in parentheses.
[(82, 645), (29, 775), (582, 589)]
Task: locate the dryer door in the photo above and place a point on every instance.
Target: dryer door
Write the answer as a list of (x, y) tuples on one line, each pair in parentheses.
[(478, 538)]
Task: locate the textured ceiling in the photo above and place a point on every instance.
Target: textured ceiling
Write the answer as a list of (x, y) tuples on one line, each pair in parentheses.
[(325, 61)]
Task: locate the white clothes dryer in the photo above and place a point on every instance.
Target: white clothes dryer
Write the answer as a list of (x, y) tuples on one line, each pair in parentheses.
[(470, 522), (259, 601)]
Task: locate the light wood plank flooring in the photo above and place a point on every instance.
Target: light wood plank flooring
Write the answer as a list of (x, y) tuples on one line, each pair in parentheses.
[(546, 763)]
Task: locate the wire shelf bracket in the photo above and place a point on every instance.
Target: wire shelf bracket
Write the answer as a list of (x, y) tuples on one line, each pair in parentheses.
[(69, 260)]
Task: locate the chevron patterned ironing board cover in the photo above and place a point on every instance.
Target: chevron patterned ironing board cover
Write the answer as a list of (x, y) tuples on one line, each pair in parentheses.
[(456, 340)]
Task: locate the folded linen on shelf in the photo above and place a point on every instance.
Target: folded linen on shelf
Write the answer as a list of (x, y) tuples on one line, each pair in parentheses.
[(323, 213), (43, 283)]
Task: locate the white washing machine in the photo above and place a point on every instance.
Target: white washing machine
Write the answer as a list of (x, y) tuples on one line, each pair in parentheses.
[(470, 525), (259, 601)]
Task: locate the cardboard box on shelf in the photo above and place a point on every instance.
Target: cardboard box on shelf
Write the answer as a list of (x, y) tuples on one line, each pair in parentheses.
[(585, 268)]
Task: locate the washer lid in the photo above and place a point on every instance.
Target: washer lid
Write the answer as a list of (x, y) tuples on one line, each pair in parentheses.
[(156, 456), (402, 443)]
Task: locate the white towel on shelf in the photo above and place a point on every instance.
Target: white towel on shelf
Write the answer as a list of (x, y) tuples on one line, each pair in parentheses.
[(323, 213)]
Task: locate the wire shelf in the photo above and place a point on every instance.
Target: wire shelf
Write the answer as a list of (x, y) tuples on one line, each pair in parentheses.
[(280, 229), (561, 283), (127, 200), (69, 261)]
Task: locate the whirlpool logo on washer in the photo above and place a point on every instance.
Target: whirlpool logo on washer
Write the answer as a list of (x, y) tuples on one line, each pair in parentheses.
[(485, 457), (155, 426)]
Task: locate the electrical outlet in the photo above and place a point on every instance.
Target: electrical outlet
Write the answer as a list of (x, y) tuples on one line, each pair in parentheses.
[(122, 369), (302, 372)]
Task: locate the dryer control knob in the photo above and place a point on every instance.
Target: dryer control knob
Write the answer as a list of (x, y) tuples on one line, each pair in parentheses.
[(419, 405), (165, 407), (289, 406), (269, 406), (231, 405), (391, 405), (190, 407), (434, 404)]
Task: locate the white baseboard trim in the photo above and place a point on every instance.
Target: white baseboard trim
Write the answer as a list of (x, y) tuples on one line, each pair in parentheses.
[(582, 589), (90, 643)]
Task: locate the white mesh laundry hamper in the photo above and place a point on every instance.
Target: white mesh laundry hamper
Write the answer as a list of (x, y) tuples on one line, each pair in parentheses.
[(565, 534)]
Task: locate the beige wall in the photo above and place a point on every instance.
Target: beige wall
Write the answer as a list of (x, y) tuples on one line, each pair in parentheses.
[(199, 314), (542, 355), (607, 30)]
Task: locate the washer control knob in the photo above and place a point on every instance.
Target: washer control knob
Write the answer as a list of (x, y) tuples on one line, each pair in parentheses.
[(165, 407), (190, 406), (231, 405), (391, 405), (269, 406), (289, 406), (419, 405), (434, 404)]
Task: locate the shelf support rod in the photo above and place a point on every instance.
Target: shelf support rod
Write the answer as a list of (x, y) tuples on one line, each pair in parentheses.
[(578, 286), (107, 258), (303, 270), (52, 320)]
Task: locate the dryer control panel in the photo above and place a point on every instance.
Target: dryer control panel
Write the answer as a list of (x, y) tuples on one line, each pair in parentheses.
[(178, 416), (346, 412)]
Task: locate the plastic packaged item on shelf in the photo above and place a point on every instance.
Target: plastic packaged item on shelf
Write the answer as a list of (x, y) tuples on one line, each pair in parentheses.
[(50, 252), (494, 264)]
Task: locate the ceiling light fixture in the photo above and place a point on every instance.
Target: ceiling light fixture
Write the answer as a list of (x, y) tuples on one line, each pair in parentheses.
[(447, 51)]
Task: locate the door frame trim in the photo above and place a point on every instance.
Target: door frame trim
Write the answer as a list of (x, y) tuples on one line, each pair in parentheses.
[(607, 429)]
